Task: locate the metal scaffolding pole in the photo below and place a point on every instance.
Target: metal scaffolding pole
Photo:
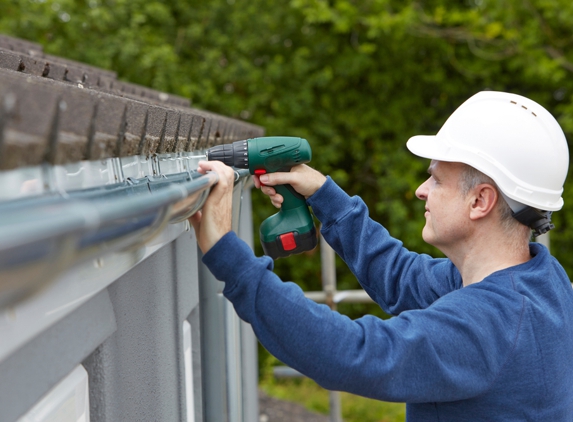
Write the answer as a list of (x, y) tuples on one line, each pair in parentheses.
[(328, 264)]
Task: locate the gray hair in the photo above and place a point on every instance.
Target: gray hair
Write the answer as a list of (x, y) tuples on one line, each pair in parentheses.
[(470, 178)]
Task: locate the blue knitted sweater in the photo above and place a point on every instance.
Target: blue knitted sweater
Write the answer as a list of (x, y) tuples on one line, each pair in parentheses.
[(497, 350)]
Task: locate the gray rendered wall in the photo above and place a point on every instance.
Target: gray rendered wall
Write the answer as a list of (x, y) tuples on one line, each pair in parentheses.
[(137, 373), (27, 374), (129, 338)]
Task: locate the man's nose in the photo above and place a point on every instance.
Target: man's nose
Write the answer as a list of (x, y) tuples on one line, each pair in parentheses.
[(422, 191)]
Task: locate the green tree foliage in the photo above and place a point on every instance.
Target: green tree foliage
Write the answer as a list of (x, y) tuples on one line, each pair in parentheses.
[(356, 78)]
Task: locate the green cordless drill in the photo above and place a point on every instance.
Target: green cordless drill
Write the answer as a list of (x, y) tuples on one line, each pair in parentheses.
[(291, 230)]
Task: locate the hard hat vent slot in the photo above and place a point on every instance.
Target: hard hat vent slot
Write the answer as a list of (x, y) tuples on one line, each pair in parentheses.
[(523, 107)]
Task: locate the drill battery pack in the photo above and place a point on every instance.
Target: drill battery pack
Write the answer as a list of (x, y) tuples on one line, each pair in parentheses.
[(290, 243)]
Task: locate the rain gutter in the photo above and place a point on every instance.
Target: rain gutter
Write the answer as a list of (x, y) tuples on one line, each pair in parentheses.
[(45, 235)]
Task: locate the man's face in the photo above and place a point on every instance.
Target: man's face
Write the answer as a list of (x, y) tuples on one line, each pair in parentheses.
[(446, 208)]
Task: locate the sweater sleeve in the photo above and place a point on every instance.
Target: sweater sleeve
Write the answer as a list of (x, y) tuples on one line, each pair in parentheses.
[(450, 351), (394, 277)]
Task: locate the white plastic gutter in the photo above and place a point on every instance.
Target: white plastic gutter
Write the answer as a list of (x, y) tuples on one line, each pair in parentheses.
[(42, 236)]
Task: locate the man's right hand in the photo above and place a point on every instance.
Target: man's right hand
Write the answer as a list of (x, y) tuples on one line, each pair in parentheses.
[(304, 179)]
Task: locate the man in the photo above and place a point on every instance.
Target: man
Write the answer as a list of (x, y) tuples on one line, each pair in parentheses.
[(484, 335)]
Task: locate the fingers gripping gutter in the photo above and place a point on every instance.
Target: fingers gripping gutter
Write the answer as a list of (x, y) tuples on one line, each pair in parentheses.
[(215, 219)]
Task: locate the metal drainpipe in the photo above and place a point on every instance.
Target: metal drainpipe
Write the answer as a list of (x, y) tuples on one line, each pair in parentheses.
[(327, 260)]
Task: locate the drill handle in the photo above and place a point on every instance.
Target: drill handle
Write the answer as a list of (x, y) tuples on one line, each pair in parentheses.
[(291, 198)]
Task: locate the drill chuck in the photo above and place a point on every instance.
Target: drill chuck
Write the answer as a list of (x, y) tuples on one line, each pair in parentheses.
[(234, 155)]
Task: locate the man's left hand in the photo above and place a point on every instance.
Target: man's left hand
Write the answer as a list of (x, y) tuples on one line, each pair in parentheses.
[(214, 220)]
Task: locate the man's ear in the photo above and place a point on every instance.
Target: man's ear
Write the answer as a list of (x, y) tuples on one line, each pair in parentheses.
[(484, 198)]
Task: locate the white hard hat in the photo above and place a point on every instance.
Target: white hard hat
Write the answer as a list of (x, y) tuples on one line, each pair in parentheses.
[(510, 138)]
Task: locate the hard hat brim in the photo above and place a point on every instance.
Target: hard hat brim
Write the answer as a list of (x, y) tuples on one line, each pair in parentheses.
[(430, 146)]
